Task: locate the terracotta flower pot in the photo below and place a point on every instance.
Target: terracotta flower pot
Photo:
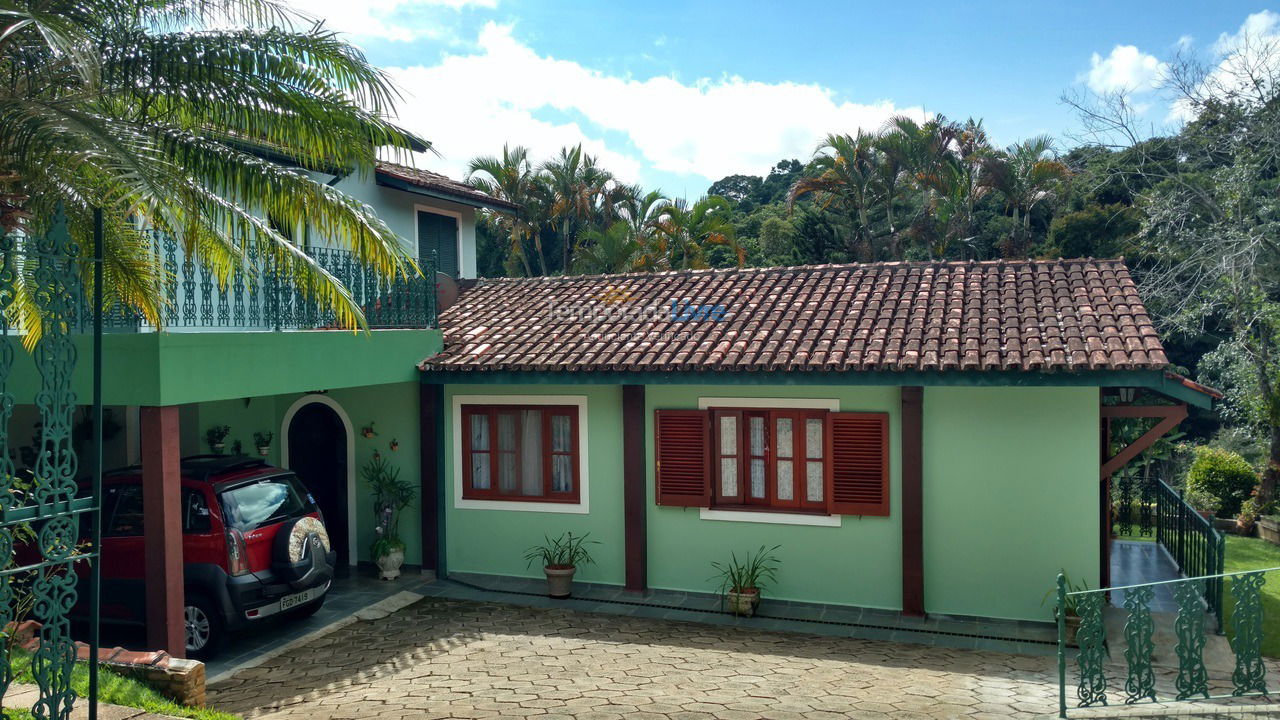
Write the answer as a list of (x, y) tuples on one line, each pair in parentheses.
[(743, 602), (559, 580)]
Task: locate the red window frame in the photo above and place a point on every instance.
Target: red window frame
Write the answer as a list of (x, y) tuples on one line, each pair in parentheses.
[(771, 455), (547, 454)]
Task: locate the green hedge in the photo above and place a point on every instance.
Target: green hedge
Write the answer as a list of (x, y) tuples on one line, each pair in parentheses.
[(1223, 474)]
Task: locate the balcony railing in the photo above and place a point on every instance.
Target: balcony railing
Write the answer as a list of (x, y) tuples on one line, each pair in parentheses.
[(258, 297)]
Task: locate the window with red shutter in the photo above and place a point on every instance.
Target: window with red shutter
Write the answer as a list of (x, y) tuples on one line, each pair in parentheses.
[(681, 450), (858, 480)]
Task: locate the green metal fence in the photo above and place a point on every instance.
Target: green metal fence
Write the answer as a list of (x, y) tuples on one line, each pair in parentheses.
[(261, 295), (43, 511), (1137, 682)]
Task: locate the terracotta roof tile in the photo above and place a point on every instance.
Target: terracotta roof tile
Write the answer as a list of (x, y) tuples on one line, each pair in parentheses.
[(997, 315), (442, 184)]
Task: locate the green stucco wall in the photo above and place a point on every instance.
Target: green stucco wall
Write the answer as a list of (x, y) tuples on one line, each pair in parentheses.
[(1011, 497), (393, 409), (1010, 487), (494, 541), (857, 563)]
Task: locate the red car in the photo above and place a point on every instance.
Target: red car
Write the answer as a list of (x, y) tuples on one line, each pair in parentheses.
[(253, 546)]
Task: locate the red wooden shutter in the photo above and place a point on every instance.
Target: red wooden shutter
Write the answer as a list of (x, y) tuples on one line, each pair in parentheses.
[(859, 472), (681, 440)]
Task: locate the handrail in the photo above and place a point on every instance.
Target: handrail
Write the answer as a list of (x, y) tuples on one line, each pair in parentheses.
[(1073, 593)]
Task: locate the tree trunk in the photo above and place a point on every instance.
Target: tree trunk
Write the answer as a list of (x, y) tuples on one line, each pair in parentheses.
[(517, 247)]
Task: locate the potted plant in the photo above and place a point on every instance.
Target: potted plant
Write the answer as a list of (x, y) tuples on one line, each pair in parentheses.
[(262, 441), (390, 496), (1203, 502), (1248, 516), (741, 582), (216, 436), (560, 559), (1072, 623)]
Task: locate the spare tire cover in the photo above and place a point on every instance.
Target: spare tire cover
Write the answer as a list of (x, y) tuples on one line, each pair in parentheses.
[(291, 543)]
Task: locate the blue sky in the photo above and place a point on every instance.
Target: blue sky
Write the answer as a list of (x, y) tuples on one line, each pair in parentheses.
[(677, 94)]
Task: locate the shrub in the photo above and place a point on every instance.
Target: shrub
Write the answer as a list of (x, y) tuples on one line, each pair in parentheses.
[(1224, 475)]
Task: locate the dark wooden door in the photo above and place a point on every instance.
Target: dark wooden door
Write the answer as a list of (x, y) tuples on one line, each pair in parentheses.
[(318, 454)]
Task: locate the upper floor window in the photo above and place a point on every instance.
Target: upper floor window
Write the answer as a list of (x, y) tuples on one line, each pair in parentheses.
[(520, 452)]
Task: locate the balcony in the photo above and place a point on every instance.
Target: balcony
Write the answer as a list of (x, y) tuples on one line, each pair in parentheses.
[(258, 297)]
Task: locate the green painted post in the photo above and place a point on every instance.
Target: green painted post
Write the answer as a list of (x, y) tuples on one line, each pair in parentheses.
[(1062, 645)]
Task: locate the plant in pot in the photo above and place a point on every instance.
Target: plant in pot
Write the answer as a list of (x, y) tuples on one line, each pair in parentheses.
[(216, 436), (742, 581), (1072, 623), (390, 496), (560, 558), (262, 441), (1202, 502)]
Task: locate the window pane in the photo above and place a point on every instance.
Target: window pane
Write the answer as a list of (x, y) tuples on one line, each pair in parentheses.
[(480, 471), (785, 490), (506, 431), (757, 436), (729, 477), (728, 435), (128, 516), (562, 473), (813, 481), (560, 429), (479, 432), (813, 438), (757, 478), (531, 452), (506, 469), (785, 444), (265, 502)]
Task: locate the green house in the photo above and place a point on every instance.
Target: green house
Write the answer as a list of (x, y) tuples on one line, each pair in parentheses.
[(918, 437)]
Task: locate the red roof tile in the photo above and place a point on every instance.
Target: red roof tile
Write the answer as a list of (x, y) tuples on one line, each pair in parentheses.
[(444, 185), (997, 315)]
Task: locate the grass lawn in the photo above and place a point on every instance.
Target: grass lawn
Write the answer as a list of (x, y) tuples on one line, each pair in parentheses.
[(115, 690), (1252, 554)]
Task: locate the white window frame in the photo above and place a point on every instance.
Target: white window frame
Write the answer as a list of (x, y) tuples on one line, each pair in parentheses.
[(457, 227), (766, 517), (582, 507)]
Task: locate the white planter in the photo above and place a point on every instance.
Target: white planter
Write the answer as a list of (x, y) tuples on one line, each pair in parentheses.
[(743, 603), (389, 564), (263, 450)]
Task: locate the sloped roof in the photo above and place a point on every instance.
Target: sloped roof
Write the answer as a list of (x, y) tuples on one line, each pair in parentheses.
[(444, 185), (1060, 315)]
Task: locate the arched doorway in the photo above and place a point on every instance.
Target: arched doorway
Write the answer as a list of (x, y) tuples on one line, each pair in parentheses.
[(317, 447)]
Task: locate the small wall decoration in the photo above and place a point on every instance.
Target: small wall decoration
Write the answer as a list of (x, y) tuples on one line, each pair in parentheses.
[(368, 431), (262, 441), (395, 445), (216, 436)]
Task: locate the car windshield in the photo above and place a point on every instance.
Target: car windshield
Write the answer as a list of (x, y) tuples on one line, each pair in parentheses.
[(265, 502)]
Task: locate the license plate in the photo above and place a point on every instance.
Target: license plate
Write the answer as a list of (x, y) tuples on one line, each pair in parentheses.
[(292, 601)]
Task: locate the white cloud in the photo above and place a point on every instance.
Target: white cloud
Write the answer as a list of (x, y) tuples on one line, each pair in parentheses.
[(1126, 69), (471, 104), (383, 19), (1239, 64)]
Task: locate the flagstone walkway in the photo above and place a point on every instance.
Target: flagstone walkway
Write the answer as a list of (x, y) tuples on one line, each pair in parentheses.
[(442, 658)]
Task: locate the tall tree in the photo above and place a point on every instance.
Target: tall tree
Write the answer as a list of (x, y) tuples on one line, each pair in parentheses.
[(576, 186), (685, 233), (158, 113), (1026, 175), (843, 177), (512, 178)]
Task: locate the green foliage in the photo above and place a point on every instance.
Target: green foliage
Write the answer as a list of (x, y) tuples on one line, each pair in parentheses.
[(217, 434), (757, 570), (391, 495), (115, 689), (565, 551), (1202, 500), (1224, 475), (263, 438), (1072, 603), (1094, 231)]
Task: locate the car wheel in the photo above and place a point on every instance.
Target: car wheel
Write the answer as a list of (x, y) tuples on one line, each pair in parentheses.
[(205, 631), (310, 608)]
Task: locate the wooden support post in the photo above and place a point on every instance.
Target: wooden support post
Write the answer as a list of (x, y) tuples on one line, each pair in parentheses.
[(162, 529), (431, 482), (913, 501), (634, 486)]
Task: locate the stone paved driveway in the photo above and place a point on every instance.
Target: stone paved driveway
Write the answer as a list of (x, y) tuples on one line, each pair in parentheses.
[(453, 659)]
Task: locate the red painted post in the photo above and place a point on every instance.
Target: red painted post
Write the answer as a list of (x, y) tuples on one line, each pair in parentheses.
[(912, 421), (634, 489), (162, 529)]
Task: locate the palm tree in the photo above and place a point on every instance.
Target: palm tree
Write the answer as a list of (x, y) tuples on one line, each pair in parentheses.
[(512, 178), (843, 176), (1026, 175), (617, 249), (576, 186), (684, 234), (160, 114)]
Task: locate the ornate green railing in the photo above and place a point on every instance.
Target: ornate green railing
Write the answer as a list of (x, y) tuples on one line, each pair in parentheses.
[(1148, 507), (260, 296), (1136, 680), (42, 508)]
